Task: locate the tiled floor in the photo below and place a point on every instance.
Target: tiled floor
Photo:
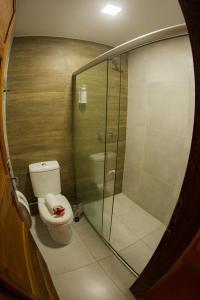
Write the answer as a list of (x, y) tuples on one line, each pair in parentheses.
[(135, 234), (86, 269)]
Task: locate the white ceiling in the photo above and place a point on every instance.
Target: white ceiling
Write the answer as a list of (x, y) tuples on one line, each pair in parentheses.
[(82, 19)]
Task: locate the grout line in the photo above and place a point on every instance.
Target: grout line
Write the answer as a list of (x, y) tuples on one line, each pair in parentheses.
[(64, 272), (97, 262), (96, 259), (139, 240), (111, 278), (73, 270), (154, 249), (128, 246), (116, 253)]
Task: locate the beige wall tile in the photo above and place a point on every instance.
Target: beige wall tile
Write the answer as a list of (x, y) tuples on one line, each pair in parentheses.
[(135, 145), (159, 124), (163, 155), (39, 104), (155, 196)]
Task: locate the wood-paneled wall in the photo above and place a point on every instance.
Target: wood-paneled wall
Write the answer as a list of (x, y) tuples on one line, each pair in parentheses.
[(39, 107)]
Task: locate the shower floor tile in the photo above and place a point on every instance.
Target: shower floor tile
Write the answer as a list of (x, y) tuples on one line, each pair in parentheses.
[(121, 204), (135, 234), (137, 255), (152, 239), (121, 236), (138, 221), (94, 243)]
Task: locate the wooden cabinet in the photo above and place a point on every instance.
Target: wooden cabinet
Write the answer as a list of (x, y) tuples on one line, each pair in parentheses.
[(23, 271)]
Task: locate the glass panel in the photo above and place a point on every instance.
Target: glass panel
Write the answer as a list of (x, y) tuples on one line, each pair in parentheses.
[(113, 93), (89, 126), (160, 119), (131, 151)]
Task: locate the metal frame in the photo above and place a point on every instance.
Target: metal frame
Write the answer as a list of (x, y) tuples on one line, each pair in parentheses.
[(155, 36)]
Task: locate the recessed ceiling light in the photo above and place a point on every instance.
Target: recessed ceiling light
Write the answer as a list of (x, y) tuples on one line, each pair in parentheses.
[(111, 10)]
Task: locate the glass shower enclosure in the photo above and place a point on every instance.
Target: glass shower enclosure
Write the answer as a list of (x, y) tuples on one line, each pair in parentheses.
[(132, 142)]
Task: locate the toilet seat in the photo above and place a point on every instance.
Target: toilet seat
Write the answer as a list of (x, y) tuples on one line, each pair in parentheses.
[(52, 219)]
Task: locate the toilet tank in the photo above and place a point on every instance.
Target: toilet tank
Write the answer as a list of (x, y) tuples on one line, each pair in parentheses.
[(97, 165), (45, 178)]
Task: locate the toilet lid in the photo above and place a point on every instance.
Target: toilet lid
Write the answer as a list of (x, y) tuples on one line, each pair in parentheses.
[(52, 219)]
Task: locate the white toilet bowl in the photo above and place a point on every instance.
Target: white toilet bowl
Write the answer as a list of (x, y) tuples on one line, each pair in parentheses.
[(59, 227), (45, 179)]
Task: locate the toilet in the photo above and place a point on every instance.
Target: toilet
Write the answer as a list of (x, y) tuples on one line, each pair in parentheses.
[(45, 179), (97, 165)]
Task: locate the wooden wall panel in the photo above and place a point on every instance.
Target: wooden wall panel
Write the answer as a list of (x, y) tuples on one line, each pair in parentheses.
[(39, 107)]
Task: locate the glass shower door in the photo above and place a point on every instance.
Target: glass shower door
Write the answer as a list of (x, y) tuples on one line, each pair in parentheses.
[(89, 127), (132, 142), (111, 142)]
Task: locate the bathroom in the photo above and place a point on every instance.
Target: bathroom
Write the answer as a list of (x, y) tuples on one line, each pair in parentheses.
[(98, 128)]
